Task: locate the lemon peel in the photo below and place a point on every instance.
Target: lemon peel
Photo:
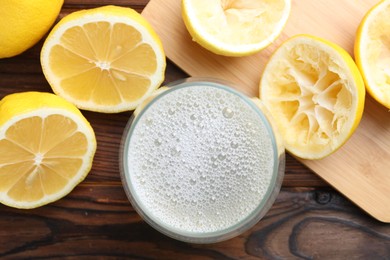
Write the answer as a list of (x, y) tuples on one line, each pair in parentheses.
[(24, 22)]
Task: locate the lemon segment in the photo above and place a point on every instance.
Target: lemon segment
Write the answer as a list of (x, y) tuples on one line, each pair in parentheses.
[(46, 149), (24, 22), (372, 51), (107, 59), (235, 27), (315, 93)]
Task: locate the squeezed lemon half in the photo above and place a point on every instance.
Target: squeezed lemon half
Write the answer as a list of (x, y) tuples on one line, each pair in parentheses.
[(235, 27), (372, 51), (315, 93)]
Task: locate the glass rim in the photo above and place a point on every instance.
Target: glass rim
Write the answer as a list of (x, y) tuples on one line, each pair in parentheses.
[(207, 237)]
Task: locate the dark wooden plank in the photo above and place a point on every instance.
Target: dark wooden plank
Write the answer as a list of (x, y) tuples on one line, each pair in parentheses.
[(98, 220)]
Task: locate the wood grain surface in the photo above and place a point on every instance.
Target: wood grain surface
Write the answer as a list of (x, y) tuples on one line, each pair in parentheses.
[(309, 220), (360, 169)]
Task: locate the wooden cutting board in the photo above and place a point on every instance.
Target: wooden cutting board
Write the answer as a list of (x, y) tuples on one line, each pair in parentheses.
[(361, 168)]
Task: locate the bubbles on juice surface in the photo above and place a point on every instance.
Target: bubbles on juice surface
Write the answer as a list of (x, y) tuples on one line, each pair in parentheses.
[(227, 112), (200, 159)]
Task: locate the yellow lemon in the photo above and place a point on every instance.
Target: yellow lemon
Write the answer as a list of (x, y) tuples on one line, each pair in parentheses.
[(372, 51), (106, 59), (235, 27), (46, 148), (24, 22), (315, 93)]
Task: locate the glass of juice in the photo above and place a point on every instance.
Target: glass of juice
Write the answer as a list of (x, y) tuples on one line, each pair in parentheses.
[(201, 162)]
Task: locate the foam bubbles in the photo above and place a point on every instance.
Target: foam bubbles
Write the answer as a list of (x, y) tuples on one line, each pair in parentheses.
[(204, 167), (157, 142), (227, 112)]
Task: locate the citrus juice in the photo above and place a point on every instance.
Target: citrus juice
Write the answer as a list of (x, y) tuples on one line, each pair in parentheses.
[(200, 162)]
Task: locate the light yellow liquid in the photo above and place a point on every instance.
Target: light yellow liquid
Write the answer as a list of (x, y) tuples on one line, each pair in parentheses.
[(200, 159)]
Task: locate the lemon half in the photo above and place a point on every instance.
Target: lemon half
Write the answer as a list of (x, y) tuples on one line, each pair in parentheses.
[(315, 93), (235, 27), (46, 149), (106, 59), (24, 22), (372, 51)]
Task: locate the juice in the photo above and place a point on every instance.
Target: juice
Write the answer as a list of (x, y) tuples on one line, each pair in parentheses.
[(200, 162)]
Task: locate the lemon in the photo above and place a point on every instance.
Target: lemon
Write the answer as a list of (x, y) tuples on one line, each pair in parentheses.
[(372, 51), (315, 93), (46, 148), (106, 59), (235, 27), (24, 22)]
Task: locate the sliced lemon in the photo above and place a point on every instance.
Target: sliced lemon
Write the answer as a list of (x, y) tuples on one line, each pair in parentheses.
[(372, 51), (315, 93), (46, 149), (107, 59), (235, 27)]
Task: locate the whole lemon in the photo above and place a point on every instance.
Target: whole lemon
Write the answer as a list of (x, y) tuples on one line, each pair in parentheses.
[(24, 22)]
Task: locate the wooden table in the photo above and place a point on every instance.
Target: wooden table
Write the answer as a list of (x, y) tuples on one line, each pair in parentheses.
[(309, 220)]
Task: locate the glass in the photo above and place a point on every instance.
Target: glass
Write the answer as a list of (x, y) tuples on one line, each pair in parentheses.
[(190, 172)]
